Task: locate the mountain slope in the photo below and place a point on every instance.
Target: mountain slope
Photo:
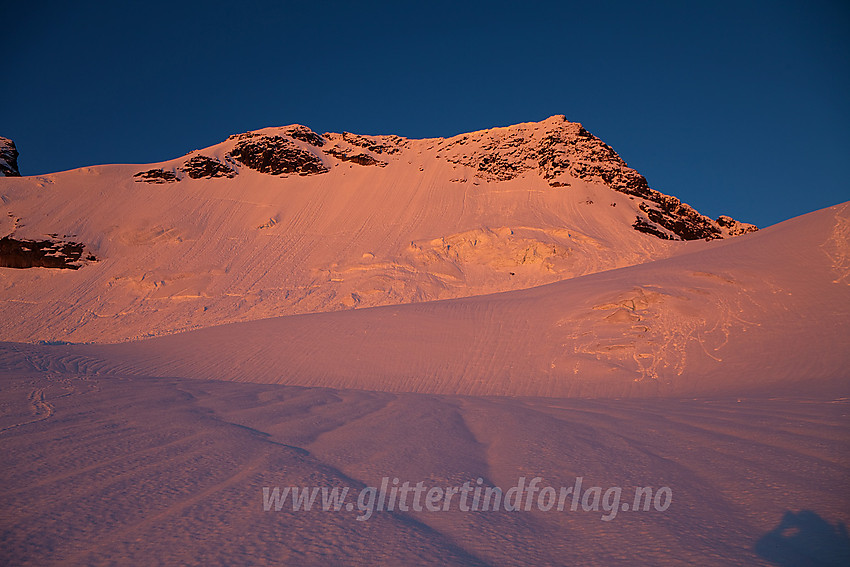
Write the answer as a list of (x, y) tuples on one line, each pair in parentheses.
[(766, 314), (283, 221)]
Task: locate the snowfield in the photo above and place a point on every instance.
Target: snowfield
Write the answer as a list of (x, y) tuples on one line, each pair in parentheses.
[(286, 309), (765, 313), (143, 471)]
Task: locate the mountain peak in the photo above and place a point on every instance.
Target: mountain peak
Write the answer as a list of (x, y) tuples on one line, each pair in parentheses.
[(561, 152), (284, 220)]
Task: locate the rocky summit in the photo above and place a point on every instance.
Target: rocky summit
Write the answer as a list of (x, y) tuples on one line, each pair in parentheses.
[(556, 150)]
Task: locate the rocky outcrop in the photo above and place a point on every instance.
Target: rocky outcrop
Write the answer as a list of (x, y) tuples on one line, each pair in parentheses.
[(642, 224), (304, 134), (561, 152), (295, 131), (276, 155), (8, 158), (204, 167), (197, 167), (59, 254), (364, 150), (156, 176), (733, 227), (557, 149), (359, 158), (679, 218), (375, 144)]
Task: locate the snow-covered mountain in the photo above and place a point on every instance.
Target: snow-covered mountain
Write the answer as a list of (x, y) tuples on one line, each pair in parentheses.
[(359, 308), (285, 221)]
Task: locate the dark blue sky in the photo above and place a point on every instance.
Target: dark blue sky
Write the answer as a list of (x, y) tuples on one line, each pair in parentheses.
[(736, 109)]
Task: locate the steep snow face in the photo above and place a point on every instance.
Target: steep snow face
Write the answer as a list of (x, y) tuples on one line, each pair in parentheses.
[(284, 221), (8, 158)]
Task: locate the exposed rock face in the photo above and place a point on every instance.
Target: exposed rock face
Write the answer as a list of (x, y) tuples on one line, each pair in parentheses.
[(8, 158), (156, 176), (733, 227), (304, 134), (376, 144), (643, 225), (243, 136), (363, 150), (679, 218), (559, 151), (276, 155), (358, 158), (562, 151), (296, 132), (200, 167), (42, 253)]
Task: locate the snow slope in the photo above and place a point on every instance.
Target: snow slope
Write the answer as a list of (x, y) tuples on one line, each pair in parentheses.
[(766, 313), (143, 471), (306, 224)]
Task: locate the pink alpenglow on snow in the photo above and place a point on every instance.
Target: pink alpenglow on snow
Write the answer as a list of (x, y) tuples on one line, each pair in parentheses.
[(499, 348)]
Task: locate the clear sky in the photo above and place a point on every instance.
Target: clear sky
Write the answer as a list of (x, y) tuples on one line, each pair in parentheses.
[(736, 108)]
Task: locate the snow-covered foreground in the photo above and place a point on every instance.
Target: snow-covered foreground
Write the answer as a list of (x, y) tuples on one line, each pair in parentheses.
[(111, 469)]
